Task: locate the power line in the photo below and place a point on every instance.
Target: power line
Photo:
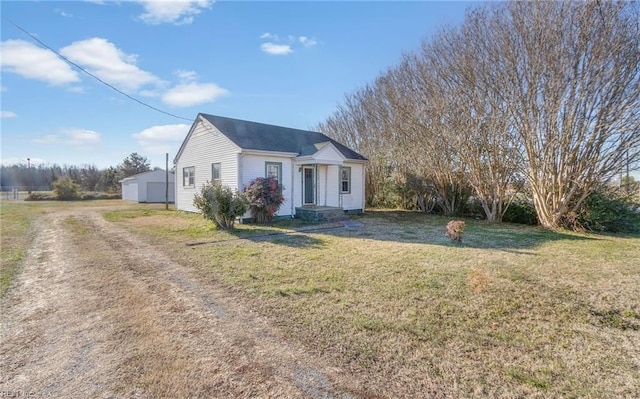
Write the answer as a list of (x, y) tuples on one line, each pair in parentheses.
[(94, 76)]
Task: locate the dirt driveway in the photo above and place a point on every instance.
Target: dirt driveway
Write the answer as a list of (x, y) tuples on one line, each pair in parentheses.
[(99, 313)]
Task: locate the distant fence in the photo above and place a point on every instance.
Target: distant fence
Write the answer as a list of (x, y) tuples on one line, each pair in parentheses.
[(13, 194)]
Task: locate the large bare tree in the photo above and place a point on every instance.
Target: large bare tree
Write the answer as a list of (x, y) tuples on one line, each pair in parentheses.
[(570, 74), (545, 91)]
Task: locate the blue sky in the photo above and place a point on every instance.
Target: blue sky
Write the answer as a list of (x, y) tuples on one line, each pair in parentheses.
[(283, 63)]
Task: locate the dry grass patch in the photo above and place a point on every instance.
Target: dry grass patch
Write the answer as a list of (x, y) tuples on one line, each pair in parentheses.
[(478, 279), (512, 311), (16, 221)]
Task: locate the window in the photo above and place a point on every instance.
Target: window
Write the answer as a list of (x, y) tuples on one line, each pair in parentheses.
[(274, 169), (189, 176), (345, 180), (215, 173)]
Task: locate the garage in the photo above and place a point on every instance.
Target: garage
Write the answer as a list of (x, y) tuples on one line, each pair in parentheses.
[(148, 187)]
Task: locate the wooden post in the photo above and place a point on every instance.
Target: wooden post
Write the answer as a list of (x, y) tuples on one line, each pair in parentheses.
[(166, 182)]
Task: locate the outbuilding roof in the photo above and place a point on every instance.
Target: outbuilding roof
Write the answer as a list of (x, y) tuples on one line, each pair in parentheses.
[(139, 175), (263, 137)]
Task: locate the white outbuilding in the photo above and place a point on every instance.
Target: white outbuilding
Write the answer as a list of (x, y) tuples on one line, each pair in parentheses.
[(148, 187)]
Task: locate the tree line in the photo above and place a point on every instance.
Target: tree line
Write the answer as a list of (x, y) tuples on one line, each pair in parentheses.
[(87, 177), (540, 98)]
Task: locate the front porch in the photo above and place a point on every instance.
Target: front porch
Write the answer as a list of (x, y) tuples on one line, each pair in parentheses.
[(321, 213)]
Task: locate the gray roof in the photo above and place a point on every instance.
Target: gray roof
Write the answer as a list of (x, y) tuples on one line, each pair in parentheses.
[(260, 136)]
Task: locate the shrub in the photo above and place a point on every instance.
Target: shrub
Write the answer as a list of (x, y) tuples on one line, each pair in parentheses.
[(609, 210), (455, 230), (220, 204), (100, 196), (265, 198), (522, 212), (65, 189), (36, 196)]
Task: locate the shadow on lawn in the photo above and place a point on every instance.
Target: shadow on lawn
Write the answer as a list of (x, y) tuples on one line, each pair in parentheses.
[(288, 233), (403, 227), (421, 228)]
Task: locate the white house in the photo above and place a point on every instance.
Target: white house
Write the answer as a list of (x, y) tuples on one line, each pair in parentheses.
[(318, 173), (148, 187)]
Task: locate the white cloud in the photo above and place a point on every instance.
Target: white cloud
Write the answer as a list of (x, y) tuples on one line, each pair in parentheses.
[(162, 139), (7, 114), (48, 139), (186, 76), (32, 62), (192, 93), (307, 42), (3, 88), (109, 63), (81, 137), (63, 13), (269, 36), (177, 12), (276, 49)]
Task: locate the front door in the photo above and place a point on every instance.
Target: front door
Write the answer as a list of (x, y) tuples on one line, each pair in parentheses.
[(308, 185)]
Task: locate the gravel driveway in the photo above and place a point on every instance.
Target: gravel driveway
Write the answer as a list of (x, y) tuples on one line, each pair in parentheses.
[(100, 313)]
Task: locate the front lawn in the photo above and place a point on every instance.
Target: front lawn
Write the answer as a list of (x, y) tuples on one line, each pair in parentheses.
[(512, 311)]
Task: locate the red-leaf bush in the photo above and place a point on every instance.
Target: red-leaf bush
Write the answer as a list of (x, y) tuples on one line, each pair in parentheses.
[(265, 198)]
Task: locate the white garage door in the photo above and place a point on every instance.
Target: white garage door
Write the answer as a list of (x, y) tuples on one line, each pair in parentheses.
[(155, 192)]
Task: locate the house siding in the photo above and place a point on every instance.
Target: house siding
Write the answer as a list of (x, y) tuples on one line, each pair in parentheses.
[(333, 185), (355, 199), (253, 166), (205, 146), (328, 154)]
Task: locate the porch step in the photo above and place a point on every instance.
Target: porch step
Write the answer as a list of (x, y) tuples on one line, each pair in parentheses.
[(321, 214)]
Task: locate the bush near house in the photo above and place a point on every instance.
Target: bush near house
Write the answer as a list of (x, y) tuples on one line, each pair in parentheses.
[(265, 198), (220, 204)]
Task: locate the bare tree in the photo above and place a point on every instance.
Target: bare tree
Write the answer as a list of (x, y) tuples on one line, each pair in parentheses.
[(570, 75), (548, 92), (476, 119)]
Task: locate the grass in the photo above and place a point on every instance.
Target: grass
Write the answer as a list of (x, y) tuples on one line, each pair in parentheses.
[(512, 311), (14, 227), (16, 224)]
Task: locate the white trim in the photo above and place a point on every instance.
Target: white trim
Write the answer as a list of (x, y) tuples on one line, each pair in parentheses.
[(314, 161), (272, 153)]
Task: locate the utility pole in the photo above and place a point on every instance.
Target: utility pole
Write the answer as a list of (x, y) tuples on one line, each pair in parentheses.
[(29, 176)]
